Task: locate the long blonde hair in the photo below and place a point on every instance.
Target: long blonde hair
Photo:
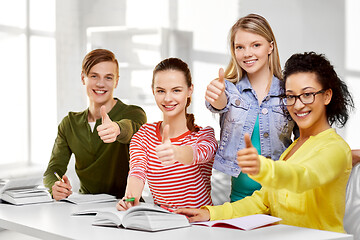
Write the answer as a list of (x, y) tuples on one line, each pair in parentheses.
[(255, 24)]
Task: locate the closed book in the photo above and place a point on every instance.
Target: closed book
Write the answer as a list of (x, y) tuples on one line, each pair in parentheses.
[(27, 198), (31, 192)]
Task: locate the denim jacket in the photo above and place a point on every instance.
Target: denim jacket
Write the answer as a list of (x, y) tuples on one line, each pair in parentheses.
[(239, 117)]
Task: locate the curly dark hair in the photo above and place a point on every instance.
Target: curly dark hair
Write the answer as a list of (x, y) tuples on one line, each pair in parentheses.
[(341, 103)]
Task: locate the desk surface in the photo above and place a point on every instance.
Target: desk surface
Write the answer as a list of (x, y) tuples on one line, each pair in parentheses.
[(54, 221)]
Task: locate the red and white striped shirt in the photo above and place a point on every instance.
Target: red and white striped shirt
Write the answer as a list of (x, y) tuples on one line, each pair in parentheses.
[(177, 185)]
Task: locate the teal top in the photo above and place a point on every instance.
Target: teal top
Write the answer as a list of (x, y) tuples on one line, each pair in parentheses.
[(243, 186)]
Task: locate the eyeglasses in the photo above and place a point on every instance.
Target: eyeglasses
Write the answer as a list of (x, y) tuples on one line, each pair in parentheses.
[(305, 98)]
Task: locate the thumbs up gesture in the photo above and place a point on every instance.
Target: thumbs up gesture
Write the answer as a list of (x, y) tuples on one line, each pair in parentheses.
[(166, 151), (215, 91), (108, 130), (248, 158)]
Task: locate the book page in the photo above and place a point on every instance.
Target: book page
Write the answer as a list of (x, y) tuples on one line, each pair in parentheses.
[(88, 198), (142, 206), (146, 207), (154, 221), (109, 215), (148, 217), (246, 223), (19, 183)]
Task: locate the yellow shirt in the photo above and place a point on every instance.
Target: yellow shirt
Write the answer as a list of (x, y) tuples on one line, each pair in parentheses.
[(306, 190)]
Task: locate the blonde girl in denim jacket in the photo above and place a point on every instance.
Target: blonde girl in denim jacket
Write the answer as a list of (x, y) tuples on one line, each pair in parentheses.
[(247, 97)]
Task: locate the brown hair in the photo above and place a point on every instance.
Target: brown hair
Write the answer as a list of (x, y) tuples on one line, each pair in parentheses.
[(97, 56), (255, 24), (178, 65)]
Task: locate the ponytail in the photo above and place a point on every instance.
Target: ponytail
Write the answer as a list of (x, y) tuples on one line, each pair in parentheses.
[(190, 118), (190, 123)]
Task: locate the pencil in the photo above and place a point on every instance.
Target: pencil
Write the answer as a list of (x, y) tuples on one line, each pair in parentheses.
[(58, 177)]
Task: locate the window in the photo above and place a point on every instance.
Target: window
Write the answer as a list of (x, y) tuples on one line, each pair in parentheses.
[(28, 99)]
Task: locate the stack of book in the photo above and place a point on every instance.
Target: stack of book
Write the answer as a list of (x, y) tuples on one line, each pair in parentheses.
[(20, 191)]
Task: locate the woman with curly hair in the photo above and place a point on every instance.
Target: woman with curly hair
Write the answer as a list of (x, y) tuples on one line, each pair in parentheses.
[(306, 186)]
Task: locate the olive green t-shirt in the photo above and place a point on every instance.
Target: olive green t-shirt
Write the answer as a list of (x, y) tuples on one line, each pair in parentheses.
[(101, 167)]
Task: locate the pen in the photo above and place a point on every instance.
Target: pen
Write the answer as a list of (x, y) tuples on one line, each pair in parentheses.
[(129, 199), (166, 208), (171, 210), (58, 177)]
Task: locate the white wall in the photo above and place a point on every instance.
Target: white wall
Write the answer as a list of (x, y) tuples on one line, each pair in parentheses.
[(70, 94), (304, 25), (73, 17), (299, 25)]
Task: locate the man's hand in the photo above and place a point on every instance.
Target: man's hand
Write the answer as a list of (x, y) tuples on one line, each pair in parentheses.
[(61, 190), (108, 130)]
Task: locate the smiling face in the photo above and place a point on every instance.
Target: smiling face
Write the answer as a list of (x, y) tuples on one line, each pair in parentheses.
[(311, 118), (171, 93), (100, 83), (252, 51)]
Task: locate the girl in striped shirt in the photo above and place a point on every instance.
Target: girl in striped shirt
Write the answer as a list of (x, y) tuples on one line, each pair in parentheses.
[(175, 156)]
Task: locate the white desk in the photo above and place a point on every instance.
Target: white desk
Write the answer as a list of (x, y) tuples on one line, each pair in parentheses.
[(54, 221)]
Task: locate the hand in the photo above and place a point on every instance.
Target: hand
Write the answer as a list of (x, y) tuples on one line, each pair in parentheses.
[(215, 91), (194, 215), (248, 158), (134, 188), (61, 190), (123, 205), (108, 130), (166, 151)]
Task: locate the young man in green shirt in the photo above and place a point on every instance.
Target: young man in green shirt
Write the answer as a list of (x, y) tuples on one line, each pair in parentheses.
[(99, 137)]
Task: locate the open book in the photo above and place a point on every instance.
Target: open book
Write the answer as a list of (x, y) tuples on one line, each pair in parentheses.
[(245, 223), (21, 191), (78, 198), (146, 217)]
